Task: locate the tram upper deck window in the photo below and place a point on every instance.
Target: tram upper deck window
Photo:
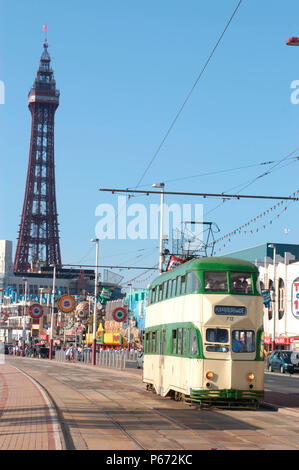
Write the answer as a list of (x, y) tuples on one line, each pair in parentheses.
[(193, 282), (243, 341), (215, 281), (240, 283), (217, 335)]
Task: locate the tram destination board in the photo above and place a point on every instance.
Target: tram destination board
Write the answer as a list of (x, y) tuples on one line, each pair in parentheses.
[(229, 310)]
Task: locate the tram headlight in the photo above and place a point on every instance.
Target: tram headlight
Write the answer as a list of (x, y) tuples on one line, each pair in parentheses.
[(250, 376), (209, 375)]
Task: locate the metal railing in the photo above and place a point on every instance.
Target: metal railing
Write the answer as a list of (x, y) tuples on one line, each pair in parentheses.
[(116, 359)]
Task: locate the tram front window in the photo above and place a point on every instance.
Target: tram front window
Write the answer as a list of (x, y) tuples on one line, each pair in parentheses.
[(215, 281), (243, 341), (240, 283), (217, 335)]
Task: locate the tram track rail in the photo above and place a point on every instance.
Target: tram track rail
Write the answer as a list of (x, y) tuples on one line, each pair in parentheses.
[(124, 407), (69, 443), (120, 426)]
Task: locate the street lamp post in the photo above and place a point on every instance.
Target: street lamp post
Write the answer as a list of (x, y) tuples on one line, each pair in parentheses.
[(94, 339), (274, 295), (129, 318), (52, 313), (24, 311), (161, 257)]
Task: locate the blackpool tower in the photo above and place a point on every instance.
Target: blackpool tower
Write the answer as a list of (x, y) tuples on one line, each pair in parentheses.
[(38, 240)]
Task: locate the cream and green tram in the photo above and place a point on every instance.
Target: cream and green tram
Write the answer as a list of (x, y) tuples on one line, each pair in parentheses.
[(204, 335)]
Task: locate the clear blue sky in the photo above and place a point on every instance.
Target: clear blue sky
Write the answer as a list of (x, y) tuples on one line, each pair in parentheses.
[(123, 70)]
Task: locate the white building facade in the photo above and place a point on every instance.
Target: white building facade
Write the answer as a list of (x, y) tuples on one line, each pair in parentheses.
[(281, 319)]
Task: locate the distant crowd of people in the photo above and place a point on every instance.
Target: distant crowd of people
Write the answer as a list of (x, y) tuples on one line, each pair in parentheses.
[(72, 351)]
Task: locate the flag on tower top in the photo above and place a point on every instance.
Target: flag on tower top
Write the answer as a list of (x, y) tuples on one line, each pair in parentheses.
[(45, 27)]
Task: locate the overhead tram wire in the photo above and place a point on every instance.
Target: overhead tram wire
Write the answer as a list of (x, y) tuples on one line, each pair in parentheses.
[(188, 96), (217, 172), (248, 183), (186, 99)]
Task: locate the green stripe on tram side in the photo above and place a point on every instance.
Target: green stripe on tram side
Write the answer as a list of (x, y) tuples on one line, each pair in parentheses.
[(168, 344), (259, 354), (167, 350)]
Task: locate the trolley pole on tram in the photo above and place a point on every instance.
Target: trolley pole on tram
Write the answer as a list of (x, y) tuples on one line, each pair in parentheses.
[(94, 338), (161, 256)]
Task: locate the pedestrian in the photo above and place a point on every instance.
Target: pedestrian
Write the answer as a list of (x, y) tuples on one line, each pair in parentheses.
[(68, 353), (72, 354)]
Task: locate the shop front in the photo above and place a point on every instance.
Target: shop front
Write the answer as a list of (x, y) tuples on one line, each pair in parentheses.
[(283, 343)]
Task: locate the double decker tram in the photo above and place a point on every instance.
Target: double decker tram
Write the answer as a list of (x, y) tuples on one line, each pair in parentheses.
[(204, 339)]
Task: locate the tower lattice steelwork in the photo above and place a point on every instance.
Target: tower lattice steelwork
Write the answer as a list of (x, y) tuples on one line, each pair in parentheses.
[(38, 240)]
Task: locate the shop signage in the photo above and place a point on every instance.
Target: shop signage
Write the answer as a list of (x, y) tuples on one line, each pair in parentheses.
[(66, 303), (119, 314), (44, 337), (267, 298), (278, 340), (36, 311), (295, 298)]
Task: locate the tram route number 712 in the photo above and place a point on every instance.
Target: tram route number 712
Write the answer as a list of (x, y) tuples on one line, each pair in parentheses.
[(171, 459)]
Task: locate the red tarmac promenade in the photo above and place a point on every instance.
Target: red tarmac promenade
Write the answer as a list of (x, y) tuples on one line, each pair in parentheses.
[(27, 416)]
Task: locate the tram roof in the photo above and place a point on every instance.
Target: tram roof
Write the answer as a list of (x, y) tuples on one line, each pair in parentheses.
[(211, 264)]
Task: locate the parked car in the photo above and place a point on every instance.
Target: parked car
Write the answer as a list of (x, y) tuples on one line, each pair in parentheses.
[(140, 359), (280, 361), (295, 358)]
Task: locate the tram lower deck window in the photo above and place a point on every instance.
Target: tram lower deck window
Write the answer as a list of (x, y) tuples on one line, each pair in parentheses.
[(243, 341), (217, 335)]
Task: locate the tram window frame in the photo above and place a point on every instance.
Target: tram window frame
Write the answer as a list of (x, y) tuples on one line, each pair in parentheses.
[(153, 341), (217, 338), (184, 341), (178, 285), (165, 285), (157, 341), (212, 275), (193, 282), (252, 342), (174, 341), (217, 344), (162, 341), (183, 284), (179, 341), (169, 285), (147, 337), (173, 288), (234, 277), (160, 292), (193, 341)]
